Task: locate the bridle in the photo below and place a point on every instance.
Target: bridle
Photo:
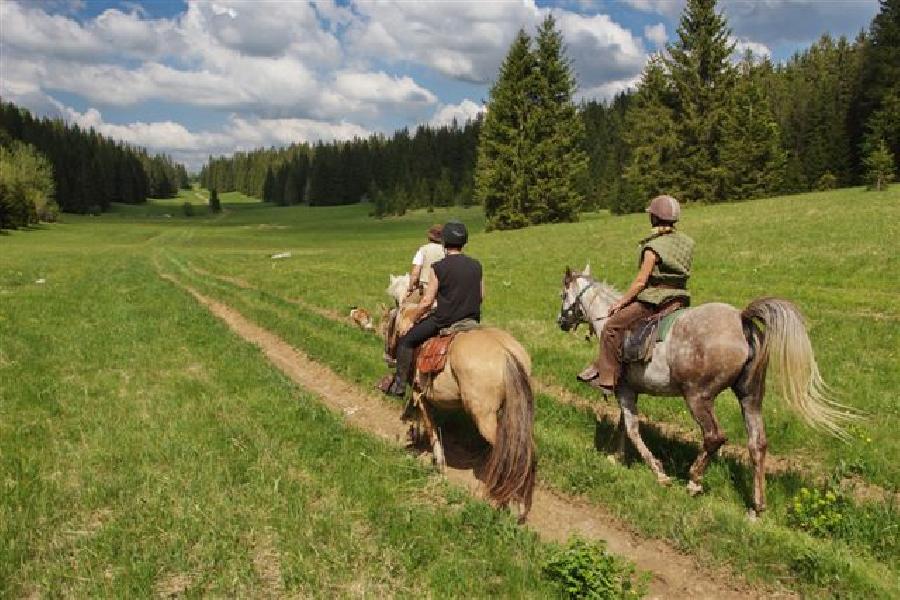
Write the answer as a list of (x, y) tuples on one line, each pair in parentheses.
[(570, 317)]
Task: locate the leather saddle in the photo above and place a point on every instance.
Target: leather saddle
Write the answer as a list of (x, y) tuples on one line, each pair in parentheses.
[(432, 355), (642, 338)]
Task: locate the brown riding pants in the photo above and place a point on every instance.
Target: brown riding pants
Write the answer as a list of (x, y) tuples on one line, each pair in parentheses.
[(609, 363)]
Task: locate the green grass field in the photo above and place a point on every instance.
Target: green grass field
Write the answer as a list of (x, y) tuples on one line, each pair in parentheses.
[(142, 445)]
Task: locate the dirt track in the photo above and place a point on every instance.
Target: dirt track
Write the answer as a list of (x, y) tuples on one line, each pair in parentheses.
[(553, 516)]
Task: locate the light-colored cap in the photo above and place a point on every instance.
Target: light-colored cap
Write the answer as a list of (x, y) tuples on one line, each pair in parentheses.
[(665, 208)]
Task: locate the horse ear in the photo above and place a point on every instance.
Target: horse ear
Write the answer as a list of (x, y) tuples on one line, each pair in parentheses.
[(587, 270)]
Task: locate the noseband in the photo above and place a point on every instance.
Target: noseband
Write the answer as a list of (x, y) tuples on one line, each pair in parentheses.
[(573, 315)]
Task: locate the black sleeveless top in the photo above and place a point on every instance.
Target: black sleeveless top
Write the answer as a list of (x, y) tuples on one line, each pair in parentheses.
[(459, 289)]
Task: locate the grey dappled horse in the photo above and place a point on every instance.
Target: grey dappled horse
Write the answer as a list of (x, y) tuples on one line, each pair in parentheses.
[(710, 348)]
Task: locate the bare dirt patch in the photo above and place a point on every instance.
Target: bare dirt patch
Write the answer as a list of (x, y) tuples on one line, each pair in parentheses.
[(267, 564), (173, 586), (553, 516)]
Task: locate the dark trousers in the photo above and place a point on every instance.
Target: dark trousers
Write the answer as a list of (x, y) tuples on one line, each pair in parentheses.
[(609, 363), (406, 346)]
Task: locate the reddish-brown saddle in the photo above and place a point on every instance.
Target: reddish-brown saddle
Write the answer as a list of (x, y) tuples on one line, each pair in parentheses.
[(433, 354)]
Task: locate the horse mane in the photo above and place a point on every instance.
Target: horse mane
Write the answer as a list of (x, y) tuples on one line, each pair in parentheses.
[(397, 287), (607, 292)]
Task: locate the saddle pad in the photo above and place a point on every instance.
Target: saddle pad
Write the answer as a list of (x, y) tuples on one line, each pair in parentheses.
[(665, 324), (433, 354), (640, 340)]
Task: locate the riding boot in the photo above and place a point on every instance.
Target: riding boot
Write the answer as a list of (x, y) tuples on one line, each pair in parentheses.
[(404, 368)]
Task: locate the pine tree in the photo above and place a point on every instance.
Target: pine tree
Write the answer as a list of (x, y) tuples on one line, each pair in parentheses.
[(879, 165), (702, 77), (214, 204), (558, 160), (650, 133), (502, 164), (880, 79), (751, 153)]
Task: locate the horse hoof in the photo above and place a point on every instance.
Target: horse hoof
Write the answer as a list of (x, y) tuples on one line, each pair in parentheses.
[(694, 488), (664, 480), (437, 459), (614, 459), (752, 515)]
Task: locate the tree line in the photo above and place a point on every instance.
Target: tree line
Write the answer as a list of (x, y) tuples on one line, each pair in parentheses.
[(430, 167), (705, 129), (700, 125), (87, 171)]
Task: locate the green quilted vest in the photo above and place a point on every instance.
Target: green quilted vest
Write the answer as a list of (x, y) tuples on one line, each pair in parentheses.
[(671, 272)]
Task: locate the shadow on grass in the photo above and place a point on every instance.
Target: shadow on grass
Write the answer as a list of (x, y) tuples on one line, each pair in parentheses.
[(677, 457)]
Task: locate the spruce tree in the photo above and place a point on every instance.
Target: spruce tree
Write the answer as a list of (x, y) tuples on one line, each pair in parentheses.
[(650, 133), (751, 153), (702, 76), (503, 161), (558, 160), (881, 68), (214, 204), (879, 165)]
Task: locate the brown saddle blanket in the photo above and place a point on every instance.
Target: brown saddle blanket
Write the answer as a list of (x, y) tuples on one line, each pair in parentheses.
[(432, 356)]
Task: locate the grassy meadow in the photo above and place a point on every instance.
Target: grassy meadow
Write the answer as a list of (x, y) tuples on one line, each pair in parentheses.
[(143, 446)]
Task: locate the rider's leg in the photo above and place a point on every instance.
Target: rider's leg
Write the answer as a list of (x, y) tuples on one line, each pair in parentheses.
[(609, 362), (420, 332)]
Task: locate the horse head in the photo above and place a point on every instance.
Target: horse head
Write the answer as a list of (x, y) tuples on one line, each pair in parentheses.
[(571, 313)]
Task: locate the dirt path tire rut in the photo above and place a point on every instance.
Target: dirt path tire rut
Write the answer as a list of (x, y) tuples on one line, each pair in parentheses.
[(553, 516)]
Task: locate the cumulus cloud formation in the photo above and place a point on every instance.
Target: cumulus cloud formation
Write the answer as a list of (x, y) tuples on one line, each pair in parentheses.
[(656, 34), (462, 112), (276, 72)]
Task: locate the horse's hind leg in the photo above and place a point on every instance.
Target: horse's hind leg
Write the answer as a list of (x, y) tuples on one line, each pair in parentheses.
[(701, 406), (750, 395), (628, 403)]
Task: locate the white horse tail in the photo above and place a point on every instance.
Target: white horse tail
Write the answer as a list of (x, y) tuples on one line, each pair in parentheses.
[(512, 465), (785, 343)]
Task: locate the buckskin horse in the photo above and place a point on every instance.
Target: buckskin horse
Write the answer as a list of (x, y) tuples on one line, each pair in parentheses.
[(487, 374), (710, 348)]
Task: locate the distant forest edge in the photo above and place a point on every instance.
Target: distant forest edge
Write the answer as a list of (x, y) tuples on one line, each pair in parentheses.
[(87, 171), (705, 133)]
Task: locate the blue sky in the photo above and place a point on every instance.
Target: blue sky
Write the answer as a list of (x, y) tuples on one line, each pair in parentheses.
[(193, 78)]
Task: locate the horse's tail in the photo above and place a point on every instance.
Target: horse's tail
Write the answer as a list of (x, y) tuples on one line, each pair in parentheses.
[(785, 343), (512, 465)]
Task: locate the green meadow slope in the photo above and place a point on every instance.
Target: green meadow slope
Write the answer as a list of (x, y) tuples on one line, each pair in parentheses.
[(104, 358)]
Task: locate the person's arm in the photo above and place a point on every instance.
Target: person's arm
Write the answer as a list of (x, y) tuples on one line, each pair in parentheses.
[(425, 303), (639, 283), (414, 275)]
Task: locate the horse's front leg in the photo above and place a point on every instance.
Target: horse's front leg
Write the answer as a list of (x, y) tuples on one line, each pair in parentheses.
[(628, 403), (437, 449)]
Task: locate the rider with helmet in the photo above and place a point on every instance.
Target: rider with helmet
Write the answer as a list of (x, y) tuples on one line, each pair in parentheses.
[(455, 282), (660, 286)]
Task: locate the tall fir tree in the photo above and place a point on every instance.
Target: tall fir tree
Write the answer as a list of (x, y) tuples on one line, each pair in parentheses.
[(558, 160), (503, 161), (652, 137), (703, 77), (751, 153)]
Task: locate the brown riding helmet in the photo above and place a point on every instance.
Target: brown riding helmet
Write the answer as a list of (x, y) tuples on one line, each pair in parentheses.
[(434, 233), (665, 207)]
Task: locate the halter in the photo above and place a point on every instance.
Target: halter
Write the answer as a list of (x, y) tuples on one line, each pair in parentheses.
[(573, 315)]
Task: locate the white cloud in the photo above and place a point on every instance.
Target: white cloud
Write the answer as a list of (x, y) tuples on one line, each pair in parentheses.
[(668, 8), (462, 112), (656, 34), (239, 133), (742, 45)]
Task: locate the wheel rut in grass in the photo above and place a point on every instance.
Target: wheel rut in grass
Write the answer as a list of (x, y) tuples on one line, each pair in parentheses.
[(553, 516)]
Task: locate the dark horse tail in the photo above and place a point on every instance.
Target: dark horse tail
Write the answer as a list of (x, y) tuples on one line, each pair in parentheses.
[(512, 465), (784, 343)]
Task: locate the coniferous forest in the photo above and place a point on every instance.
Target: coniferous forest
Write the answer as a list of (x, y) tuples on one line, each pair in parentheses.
[(703, 124), (88, 170)]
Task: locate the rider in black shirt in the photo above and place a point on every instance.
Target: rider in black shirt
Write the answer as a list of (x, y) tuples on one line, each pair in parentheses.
[(457, 286)]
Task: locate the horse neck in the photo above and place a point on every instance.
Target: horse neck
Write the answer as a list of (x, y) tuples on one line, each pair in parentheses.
[(597, 300)]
